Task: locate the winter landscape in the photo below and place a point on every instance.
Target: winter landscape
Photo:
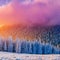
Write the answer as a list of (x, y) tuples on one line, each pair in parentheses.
[(29, 29)]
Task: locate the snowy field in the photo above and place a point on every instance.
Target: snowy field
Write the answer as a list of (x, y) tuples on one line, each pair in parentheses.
[(14, 56)]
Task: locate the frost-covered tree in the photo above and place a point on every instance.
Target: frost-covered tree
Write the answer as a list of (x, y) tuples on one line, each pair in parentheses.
[(30, 48), (37, 47), (1, 44), (24, 48), (18, 45), (5, 46), (47, 49), (56, 50), (10, 44)]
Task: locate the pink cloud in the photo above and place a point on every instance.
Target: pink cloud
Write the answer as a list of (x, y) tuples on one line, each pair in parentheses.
[(40, 12)]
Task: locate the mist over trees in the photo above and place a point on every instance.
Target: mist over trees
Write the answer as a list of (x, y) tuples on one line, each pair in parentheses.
[(27, 46)]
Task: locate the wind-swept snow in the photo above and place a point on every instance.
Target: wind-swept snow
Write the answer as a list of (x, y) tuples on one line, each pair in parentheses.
[(14, 56)]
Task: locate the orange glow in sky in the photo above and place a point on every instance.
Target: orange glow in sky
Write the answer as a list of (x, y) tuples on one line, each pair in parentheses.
[(43, 12), (31, 12)]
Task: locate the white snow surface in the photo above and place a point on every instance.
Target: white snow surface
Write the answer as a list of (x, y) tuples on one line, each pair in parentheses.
[(15, 56)]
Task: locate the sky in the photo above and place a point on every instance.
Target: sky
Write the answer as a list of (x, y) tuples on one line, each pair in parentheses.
[(43, 12)]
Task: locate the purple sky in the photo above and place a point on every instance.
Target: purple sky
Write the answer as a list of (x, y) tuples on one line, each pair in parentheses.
[(43, 12)]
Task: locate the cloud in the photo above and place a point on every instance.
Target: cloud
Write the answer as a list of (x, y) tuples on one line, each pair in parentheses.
[(43, 12)]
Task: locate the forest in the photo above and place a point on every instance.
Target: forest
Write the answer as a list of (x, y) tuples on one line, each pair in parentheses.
[(27, 46)]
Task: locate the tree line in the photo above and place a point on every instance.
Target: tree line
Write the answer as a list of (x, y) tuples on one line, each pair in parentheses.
[(27, 46)]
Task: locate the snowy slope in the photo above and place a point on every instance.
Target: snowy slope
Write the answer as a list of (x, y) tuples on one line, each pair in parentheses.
[(14, 56)]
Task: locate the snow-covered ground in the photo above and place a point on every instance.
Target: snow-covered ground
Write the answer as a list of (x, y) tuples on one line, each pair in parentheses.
[(15, 56)]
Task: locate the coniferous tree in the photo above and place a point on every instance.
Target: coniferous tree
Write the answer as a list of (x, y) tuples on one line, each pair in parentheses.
[(30, 48), (55, 50), (18, 45), (1, 44), (47, 48), (35, 46), (10, 44), (5, 46), (24, 46), (39, 48)]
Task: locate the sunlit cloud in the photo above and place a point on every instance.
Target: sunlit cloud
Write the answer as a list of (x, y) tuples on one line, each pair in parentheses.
[(43, 12)]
